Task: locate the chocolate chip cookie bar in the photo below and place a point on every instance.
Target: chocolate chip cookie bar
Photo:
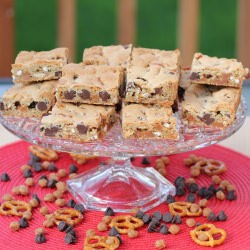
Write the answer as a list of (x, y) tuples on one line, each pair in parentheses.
[(90, 84), (153, 76), (29, 100), (31, 66), (81, 122), (217, 71), (148, 122), (114, 55), (212, 106)]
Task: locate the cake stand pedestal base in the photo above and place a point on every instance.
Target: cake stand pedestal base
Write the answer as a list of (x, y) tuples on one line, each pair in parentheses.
[(120, 186)]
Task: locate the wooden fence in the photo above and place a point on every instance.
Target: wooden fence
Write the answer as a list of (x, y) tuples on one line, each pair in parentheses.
[(126, 18)]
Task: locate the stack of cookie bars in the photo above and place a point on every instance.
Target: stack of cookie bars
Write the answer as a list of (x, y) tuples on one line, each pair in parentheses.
[(81, 101)]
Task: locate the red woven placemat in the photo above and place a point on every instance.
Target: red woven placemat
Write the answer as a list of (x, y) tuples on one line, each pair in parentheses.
[(237, 226)]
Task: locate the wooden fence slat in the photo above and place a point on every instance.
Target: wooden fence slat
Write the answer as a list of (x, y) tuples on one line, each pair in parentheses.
[(67, 25), (6, 37), (126, 26), (188, 29), (243, 35)]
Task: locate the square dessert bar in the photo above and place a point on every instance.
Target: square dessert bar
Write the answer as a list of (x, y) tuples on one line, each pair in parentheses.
[(78, 122), (29, 100), (217, 71), (90, 84), (211, 106), (148, 122), (31, 66), (114, 55), (153, 76)]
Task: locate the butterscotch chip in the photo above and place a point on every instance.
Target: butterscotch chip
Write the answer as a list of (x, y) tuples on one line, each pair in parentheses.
[(60, 202), (165, 159), (58, 194), (220, 195), (102, 226), (206, 211), (15, 226), (133, 233), (61, 186), (62, 172), (107, 219), (195, 172), (43, 182), (216, 179), (27, 215), (72, 176), (160, 244), (25, 167), (34, 203), (202, 237), (203, 202), (7, 197), (174, 229), (90, 232), (160, 165), (194, 208), (39, 230), (44, 210), (30, 181), (49, 197), (191, 222), (45, 165)]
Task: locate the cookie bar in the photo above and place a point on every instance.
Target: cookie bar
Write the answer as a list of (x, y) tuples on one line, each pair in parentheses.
[(212, 106), (148, 122), (29, 100), (217, 71), (114, 55), (31, 66), (90, 84), (153, 76), (78, 122)]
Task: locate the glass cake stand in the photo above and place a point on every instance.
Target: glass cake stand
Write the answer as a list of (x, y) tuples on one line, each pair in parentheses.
[(119, 184)]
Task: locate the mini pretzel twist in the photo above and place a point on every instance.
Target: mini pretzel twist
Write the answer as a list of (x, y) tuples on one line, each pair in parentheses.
[(212, 230), (211, 167), (125, 222), (101, 242), (70, 216), (182, 208), (15, 208), (44, 153)]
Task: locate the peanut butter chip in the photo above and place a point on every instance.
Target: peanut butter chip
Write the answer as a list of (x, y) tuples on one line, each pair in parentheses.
[(15, 226), (107, 219), (7, 197), (194, 208), (30, 181), (49, 197), (90, 232), (102, 226), (44, 210), (34, 202), (39, 230), (202, 237), (206, 211), (174, 229), (27, 215), (60, 202), (220, 195), (132, 233), (203, 203), (160, 244), (191, 222)]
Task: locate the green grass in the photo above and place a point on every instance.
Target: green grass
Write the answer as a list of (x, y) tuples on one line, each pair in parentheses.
[(36, 25)]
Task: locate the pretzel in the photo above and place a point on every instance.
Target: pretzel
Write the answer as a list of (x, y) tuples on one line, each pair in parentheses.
[(182, 208), (125, 222), (212, 230), (15, 208), (44, 153), (211, 167), (70, 216), (101, 242), (81, 159)]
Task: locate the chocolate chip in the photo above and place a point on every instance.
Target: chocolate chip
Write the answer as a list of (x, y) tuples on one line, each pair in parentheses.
[(35, 158), (177, 219), (32, 105), (35, 196), (42, 106), (139, 214), (163, 229), (191, 197), (152, 228), (198, 224), (52, 167), (43, 177), (119, 238), (1, 106), (156, 222), (82, 129), (71, 203), (208, 76), (157, 215), (75, 76), (146, 218), (181, 92), (73, 168), (170, 199), (70, 239), (141, 78), (208, 194), (193, 187), (212, 216), (5, 177), (27, 173), (52, 183), (194, 76), (23, 222), (158, 91), (51, 131), (180, 192), (85, 94), (222, 216), (69, 95), (58, 73), (145, 161), (72, 232), (132, 159), (231, 195), (207, 119), (113, 231), (17, 104), (104, 95), (126, 46), (69, 229), (37, 166), (179, 180), (201, 192), (109, 211), (40, 238), (212, 188), (80, 208), (167, 217), (175, 106)]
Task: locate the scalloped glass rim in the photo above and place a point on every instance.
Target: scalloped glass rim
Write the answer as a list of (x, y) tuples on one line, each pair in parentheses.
[(113, 145)]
